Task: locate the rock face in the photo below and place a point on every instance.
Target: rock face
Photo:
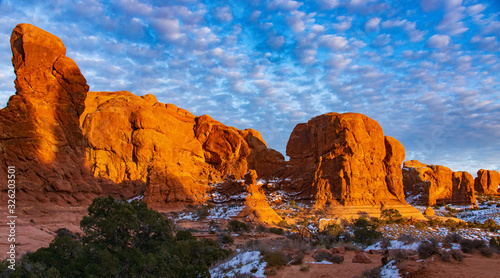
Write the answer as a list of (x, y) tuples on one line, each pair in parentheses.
[(487, 182), (435, 184), (39, 129), (345, 159), (138, 139)]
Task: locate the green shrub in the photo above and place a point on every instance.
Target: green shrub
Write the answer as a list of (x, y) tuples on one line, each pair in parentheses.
[(236, 226), (226, 239), (453, 238), (122, 239), (445, 256), (420, 225), (365, 231), (391, 216), (491, 225)]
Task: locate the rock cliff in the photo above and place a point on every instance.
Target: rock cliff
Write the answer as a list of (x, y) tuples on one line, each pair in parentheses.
[(344, 159), (174, 152), (39, 129), (435, 184), (487, 182)]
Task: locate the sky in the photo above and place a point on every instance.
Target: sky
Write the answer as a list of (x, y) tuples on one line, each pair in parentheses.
[(427, 71)]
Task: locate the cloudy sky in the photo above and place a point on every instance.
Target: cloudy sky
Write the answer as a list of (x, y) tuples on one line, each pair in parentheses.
[(427, 71)]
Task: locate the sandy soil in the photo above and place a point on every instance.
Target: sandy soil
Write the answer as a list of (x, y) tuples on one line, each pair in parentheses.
[(37, 226)]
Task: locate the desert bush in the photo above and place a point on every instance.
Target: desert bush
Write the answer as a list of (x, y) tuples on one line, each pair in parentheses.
[(276, 258), (371, 273), (451, 224), (420, 225), (236, 226), (452, 238), (426, 249), (407, 238), (226, 239), (365, 231), (434, 222), (491, 225), (284, 224), (202, 212), (495, 242), (297, 259), (385, 243), (445, 256), (469, 245), (305, 268), (184, 235), (277, 231), (457, 255), (486, 251), (321, 256), (398, 255), (391, 216)]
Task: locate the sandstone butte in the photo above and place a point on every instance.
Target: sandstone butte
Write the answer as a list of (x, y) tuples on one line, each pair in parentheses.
[(487, 182), (346, 164), (70, 145), (435, 184)]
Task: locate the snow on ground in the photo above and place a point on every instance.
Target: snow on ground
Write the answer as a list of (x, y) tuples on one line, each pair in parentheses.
[(395, 244), (390, 270), (481, 215), (243, 263), (217, 212), (136, 198)]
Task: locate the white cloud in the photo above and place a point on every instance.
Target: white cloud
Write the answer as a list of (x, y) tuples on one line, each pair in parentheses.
[(333, 42), (328, 4), (372, 24), (295, 22), (168, 29), (316, 28), (438, 41), (410, 28), (475, 9), (223, 14), (343, 25), (286, 5), (451, 22), (276, 42), (337, 62)]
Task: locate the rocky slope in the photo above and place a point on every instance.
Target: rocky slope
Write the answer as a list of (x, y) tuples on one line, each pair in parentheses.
[(436, 184)]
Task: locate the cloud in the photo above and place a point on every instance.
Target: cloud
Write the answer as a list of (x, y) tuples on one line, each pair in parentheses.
[(343, 25), (223, 14), (372, 24), (438, 41), (337, 62), (328, 4), (286, 5), (295, 21), (335, 43), (475, 9), (414, 34)]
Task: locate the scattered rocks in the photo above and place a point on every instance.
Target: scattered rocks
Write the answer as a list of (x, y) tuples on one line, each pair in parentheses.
[(361, 258)]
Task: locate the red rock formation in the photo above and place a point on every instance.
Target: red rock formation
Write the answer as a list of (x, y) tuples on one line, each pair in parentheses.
[(487, 182), (136, 138), (346, 164), (435, 184), (463, 189), (39, 129), (344, 159)]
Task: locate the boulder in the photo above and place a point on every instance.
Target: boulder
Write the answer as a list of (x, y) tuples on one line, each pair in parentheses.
[(39, 129), (435, 184), (429, 211), (487, 182), (361, 258)]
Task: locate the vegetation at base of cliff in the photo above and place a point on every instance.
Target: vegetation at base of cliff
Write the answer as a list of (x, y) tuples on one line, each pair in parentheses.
[(121, 239)]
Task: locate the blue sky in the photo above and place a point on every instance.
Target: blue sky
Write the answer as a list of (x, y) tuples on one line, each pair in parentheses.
[(427, 71)]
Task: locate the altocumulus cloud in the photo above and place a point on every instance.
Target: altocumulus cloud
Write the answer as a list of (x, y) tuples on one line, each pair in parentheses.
[(426, 70)]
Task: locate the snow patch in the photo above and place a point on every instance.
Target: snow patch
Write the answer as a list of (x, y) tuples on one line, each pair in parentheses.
[(390, 270), (243, 263)]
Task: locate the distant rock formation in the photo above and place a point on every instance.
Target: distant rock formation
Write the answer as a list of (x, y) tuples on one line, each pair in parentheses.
[(487, 182), (435, 184), (345, 159), (39, 130), (177, 154)]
